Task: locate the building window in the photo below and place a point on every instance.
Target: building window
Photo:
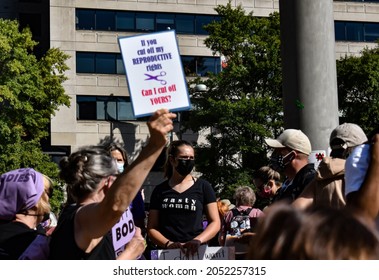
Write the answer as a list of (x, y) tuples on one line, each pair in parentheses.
[(104, 108), (85, 19), (125, 21), (356, 31), (99, 63), (200, 65), (165, 21), (105, 20), (145, 22), (184, 24), (142, 21)]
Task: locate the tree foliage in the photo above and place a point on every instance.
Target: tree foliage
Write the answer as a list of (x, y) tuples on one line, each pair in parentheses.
[(243, 103), (358, 88), (30, 92)]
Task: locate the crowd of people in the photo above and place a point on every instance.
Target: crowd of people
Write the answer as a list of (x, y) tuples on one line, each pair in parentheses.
[(328, 212)]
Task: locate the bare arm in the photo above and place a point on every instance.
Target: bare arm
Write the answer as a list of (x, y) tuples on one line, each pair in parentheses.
[(209, 232), (152, 229), (95, 220), (214, 223)]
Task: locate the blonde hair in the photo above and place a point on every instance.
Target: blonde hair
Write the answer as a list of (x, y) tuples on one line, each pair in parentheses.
[(222, 207), (43, 205)]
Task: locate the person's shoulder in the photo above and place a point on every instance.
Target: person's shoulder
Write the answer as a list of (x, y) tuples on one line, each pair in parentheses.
[(256, 212), (203, 181), (306, 174)]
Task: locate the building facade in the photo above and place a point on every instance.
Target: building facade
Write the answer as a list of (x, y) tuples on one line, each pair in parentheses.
[(88, 31)]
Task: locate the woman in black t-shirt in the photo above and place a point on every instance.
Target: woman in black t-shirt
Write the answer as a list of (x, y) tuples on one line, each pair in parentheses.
[(177, 205)]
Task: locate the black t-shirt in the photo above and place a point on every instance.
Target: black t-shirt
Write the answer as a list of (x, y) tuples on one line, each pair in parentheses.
[(15, 237), (63, 245), (181, 214)]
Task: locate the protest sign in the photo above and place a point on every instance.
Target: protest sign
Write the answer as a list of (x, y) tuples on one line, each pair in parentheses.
[(204, 253), (154, 72), (123, 231)]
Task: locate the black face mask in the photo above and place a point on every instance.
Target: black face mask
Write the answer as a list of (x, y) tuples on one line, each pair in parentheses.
[(185, 166), (46, 216), (279, 162)]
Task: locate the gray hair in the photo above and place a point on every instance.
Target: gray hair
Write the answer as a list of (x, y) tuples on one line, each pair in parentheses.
[(84, 169), (245, 196)]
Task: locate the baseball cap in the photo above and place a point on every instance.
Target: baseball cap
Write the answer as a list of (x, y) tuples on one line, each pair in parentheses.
[(356, 166), (294, 139), (20, 189), (351, 134), (228, 203)]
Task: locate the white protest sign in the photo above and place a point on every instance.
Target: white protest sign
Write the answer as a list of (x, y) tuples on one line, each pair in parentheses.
[(154, 72), (204, 253), (316, 157), (123, 231)]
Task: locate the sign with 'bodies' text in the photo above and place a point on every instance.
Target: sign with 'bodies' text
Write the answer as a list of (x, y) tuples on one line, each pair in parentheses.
[(123, 231), (154, 73)]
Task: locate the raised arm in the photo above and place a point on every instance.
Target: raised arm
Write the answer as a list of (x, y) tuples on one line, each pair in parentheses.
[(365, 202), (97, 219)]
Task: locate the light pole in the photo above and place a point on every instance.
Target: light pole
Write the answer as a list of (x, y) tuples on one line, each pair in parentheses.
[(108, 117)]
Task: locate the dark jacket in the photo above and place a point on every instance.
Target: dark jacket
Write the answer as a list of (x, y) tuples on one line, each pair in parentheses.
[(292, 191)]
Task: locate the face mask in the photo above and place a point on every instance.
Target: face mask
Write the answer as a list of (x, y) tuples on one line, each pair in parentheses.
[(46, 216), (185, 166), (265, 191), (120, 167), (279, 162), (44, 222)]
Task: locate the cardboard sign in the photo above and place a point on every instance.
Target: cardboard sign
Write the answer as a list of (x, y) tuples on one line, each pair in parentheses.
[(123, 231), (154, 73), (204, 253)]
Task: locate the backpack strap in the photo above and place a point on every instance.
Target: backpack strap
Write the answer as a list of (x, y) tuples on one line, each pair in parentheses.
[(235, 212), (248, 210)]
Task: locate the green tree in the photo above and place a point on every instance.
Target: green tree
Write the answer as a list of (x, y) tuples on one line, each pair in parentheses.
[(243, 103), (358, 88), (30, 92)]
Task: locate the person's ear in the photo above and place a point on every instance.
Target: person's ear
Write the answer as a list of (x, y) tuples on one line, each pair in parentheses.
[(292, 155), (106, 185), (171, 158)]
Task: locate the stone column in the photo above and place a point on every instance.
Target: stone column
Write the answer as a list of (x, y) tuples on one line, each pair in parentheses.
[(309, 68)]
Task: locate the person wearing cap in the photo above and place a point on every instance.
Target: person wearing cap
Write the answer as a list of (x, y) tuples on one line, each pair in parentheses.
[(24, 204), (290, 156), (327, 189), (227, 202)]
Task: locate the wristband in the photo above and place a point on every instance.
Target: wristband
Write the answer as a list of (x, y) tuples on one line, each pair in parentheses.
[(165, 246)]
